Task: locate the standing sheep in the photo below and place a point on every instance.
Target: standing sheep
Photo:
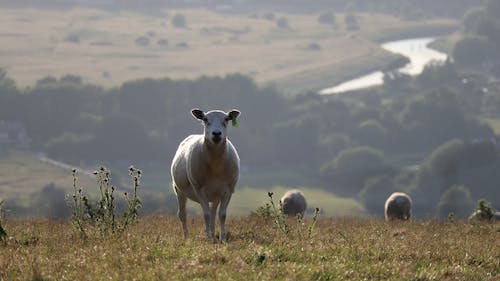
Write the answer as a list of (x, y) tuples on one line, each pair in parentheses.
[(294, 202), (206, 168), (398, 206)]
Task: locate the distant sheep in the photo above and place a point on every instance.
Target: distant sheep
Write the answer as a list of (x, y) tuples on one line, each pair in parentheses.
[(398, 206), (205, 169), (294, 202)]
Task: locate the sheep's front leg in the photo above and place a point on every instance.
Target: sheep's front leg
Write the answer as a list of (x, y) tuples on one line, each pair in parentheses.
[(222, 215), (206, 213), (213, 214), (181, 200)]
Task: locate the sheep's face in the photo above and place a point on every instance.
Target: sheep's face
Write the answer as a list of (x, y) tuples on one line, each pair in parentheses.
[(215, 123)]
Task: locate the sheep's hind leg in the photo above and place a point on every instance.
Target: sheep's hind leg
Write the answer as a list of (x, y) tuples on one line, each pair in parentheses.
[(181, 200)]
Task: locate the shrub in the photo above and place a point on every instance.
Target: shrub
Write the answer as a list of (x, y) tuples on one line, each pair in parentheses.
[(314, 47), (269, 16), (327, 18), (182, 45), (142, 41), (179, 21), (162, 42), (351, 22), (282, 23), (72, 38)]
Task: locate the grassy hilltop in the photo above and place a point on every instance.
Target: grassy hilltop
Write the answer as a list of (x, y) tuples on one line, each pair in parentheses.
[(340, 249)]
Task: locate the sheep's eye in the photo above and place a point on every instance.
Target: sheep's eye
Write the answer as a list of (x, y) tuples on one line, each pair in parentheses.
[(205, 119), (224, 124)]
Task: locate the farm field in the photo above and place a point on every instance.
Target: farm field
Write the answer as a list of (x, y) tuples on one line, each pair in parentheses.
[(339, 249), (108, 48)]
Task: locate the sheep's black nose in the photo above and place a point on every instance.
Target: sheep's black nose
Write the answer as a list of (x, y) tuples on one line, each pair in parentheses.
[(216, 133)]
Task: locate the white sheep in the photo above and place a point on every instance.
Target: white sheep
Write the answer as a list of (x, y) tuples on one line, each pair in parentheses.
[(294, 202), (206, 168), (398, 206)]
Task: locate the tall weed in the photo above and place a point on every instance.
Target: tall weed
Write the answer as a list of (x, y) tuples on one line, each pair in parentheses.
[(102, 213)]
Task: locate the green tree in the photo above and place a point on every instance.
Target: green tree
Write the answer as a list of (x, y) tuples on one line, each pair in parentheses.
[(352, 167), (473, 51), (457, 200)]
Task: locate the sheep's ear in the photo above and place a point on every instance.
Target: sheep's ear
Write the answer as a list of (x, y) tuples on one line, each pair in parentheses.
[(198, 113), (233, 114)]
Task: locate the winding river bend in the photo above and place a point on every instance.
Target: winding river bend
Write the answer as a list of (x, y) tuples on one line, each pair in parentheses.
[(416, 50)]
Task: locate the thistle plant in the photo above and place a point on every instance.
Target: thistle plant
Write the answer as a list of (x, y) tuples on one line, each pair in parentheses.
[(105, 213), (102, 214), (310, 229), (280, 219), (134, 203), (3, 233), (80, 208), (279, 216)]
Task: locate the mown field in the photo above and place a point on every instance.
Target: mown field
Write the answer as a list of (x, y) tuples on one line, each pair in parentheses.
[(339, 249), (108, 48)]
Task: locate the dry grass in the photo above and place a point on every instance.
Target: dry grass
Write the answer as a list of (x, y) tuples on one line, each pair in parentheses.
[(341, 249), (34, 44)]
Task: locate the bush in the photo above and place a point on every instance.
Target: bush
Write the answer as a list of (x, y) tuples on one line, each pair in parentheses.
[(314, 47), (269, 16), (162, 42), (142, 41), (182, 45), (457, 200), (179, 21), (327, 18), (282, 23), (351, 22), (72, 38)]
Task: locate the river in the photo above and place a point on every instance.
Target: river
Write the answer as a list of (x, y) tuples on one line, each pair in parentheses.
[(416, 50)]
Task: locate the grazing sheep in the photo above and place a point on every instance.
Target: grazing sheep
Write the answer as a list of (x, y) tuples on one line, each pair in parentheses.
[(206, 168), (294, 202), (398, 206)]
